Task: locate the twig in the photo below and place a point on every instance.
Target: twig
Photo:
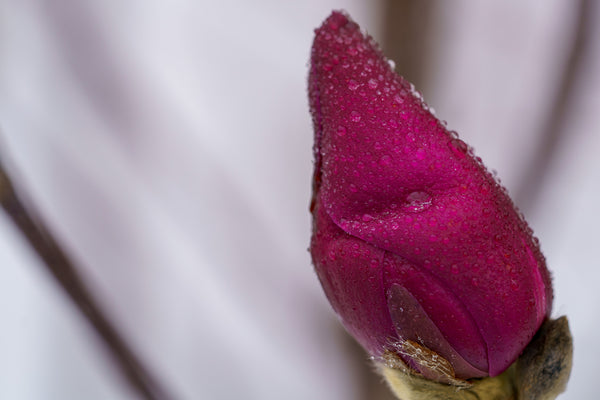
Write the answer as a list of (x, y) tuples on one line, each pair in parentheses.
[(553, 128), (407, 38), (65, 273)]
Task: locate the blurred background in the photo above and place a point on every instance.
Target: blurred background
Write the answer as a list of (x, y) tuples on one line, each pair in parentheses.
[(167, 146)]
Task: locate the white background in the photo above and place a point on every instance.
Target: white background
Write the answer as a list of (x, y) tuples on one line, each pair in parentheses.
[(168, 146)]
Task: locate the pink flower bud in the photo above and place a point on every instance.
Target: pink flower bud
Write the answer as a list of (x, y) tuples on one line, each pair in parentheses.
[(413, 239)]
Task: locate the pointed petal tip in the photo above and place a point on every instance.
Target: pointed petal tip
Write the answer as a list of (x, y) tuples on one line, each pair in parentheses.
[(336, 20)]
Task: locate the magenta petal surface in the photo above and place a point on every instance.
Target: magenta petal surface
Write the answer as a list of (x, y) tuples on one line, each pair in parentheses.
[(404, 213), (352, 278), (454, 334)]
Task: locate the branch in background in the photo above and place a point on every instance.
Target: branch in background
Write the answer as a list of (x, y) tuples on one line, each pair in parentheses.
[(65, 273), (553, 128), (407, 37)]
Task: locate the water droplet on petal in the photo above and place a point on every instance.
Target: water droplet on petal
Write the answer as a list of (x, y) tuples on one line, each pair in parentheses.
[(344, 224), (332, 255), (514, 285), (385, 160), (458, 147), (367, 218), (484, 188), (372, 83), (333, 24), (353, 85), (355, 116), (418, 201), (341, 131)]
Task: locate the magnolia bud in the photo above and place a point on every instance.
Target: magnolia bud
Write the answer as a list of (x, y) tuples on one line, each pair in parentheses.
[(417, 246)]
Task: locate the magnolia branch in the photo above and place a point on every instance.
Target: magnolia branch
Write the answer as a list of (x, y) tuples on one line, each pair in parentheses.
[(65, 272)]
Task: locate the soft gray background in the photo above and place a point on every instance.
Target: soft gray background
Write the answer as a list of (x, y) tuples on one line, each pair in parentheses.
[(168, 145)]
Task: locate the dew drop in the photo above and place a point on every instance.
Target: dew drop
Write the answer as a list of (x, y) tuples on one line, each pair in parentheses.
[(367, 218), (514, 285), (392, 64), (418, 201), (353, 85), (385, 160), (355, 116), (454, 269), (344, 224), (333, 24), (341, 131), (332, 255), (372, 83), (484, 188), (353, 188), (458, 147)]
